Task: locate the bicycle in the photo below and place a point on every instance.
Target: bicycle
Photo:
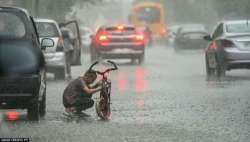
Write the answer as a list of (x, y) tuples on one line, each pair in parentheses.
[(102, 104)]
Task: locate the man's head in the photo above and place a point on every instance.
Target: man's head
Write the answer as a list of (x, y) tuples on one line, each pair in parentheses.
[(90, 77)]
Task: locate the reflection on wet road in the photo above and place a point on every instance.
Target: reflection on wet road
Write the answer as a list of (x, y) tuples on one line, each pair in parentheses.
[(139, 84)]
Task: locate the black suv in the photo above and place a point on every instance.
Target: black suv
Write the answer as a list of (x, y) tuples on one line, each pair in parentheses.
[(22, 64)]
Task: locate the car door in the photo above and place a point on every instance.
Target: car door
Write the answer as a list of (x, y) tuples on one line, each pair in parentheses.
[(77, 42), (74, 26), (42, 73)]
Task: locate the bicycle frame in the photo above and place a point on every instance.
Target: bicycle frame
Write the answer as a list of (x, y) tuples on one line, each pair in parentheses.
[(103, 104)]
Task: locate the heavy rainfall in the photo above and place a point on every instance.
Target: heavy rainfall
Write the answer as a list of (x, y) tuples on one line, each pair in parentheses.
[(176, 70)]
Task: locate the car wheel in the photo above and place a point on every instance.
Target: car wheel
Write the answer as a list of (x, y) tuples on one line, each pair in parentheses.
[(141, 59), (42, 106), (33, 111), (60, 74), (133, 61)]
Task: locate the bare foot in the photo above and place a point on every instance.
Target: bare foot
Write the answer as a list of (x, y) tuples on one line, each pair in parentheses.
[(73, 109)]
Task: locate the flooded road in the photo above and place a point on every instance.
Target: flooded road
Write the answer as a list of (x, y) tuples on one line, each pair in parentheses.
[(167, 99)]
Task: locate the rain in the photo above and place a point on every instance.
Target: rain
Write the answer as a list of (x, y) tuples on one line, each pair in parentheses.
[(176, 70)]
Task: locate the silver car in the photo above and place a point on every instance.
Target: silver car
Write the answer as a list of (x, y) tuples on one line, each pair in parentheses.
[(229, 47), (118, 42), (55, 57)]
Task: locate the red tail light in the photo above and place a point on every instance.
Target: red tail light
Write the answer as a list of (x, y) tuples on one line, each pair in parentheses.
[(226, 43), (213, 45), (140, 38), (60, 44), (12, 116), (102, 38), (60, 41), (223, 44)]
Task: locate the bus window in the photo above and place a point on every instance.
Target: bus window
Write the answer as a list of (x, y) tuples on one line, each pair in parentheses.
[(149, 15)]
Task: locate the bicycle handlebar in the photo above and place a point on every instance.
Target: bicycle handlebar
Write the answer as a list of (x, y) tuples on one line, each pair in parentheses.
[(113, 63), (95, 63), (106, 71)]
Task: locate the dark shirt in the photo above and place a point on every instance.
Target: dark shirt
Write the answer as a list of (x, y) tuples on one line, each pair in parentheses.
[(74, 90), (67, 45)]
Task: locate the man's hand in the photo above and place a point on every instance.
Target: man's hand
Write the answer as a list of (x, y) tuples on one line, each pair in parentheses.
[(99, 83)]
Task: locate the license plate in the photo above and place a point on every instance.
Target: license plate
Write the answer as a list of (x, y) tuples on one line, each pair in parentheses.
[(125, 50)]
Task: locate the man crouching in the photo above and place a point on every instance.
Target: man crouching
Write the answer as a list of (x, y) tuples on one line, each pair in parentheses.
[(77, 95)]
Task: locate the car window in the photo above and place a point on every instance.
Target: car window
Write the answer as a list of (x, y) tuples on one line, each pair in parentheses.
[(11, 26), (47, 29), (195, 35), (238, 28)]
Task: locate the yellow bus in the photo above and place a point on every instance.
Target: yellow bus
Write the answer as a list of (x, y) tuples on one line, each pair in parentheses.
[(151, 15)]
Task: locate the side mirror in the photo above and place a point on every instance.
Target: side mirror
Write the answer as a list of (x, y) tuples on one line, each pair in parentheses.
[(207, 37), (47, 42)]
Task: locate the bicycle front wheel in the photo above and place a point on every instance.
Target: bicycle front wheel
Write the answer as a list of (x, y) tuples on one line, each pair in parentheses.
[(103, 108)]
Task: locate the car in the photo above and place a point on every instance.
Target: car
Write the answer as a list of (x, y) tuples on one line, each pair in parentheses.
[(229, 48), (55, 56), (187, 26), (22, 63), (190, 38), (118, 42)]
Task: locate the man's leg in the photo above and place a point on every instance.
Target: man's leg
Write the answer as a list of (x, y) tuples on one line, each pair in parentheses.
[(68, 64), (84, 103)]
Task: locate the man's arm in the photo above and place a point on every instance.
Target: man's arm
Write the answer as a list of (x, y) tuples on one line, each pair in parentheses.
[(96, 85), (91, 91)]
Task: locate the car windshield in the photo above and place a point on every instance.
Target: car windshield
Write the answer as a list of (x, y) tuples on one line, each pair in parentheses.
[(238, 28), (149, 14), (47, 29), (11, 26)]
